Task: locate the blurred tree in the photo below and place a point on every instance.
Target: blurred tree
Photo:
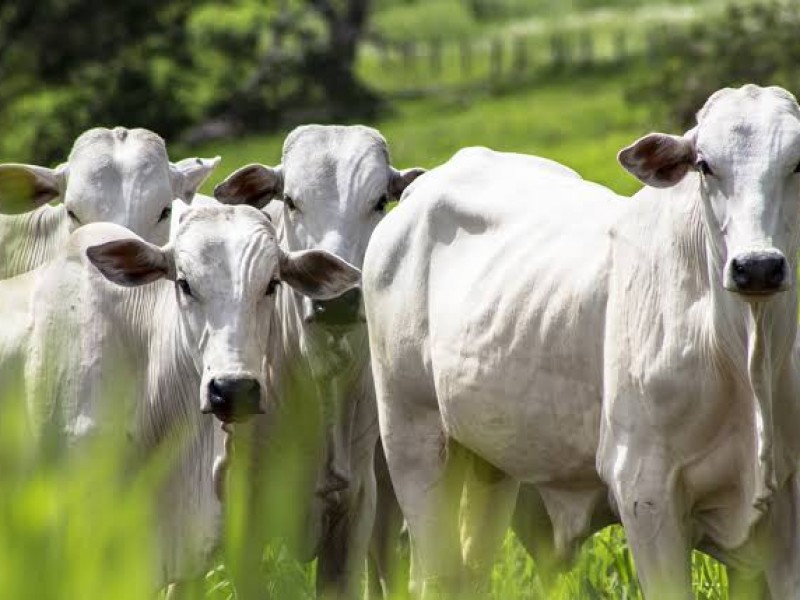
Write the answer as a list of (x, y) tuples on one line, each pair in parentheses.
[(293, 62), (66, 65), (747, 44)]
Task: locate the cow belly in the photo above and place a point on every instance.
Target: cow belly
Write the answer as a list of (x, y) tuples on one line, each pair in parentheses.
[(535, 415)]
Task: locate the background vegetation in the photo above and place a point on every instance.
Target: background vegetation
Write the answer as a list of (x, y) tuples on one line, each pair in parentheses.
[(231, 77)]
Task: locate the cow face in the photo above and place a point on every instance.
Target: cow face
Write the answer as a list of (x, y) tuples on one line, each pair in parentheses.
[(746, 149), (335, 183), (226, 265), (119, 176)]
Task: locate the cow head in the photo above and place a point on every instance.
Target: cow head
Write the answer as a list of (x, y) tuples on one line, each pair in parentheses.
[(120, 176), (335, 183), (746, 150), (226, 265)]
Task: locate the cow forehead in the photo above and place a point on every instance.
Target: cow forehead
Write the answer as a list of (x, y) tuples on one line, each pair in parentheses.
[(318, 156), (104, 161), (226, 241), (749, 120)]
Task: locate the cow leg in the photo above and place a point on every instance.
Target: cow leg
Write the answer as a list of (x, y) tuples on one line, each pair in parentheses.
[(534, 530), (385, 575), (656, 527), (427, 472), (487, 505), (342, 556), (783, 568), (349, 514)]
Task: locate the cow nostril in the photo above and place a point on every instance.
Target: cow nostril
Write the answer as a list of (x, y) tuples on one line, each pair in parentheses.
[(759, 272), (776, 272)]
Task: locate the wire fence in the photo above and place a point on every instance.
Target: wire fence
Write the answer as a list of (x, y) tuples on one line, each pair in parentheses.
[(424, 66)]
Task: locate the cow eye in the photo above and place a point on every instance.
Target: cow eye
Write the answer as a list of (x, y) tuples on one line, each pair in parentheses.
[(380, 206), (272, 286), (183, 285), (287, 200), (72, 216), (165, 214), (703, 167)]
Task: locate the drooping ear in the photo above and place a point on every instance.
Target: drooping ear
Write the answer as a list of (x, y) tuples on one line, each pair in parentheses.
[(26, 187), (189, 174), (400, 180), (658, 159), (318, 274), (253, 184), (132, 262)]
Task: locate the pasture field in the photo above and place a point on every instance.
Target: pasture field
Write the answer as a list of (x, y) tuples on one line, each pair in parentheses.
[(579, 120)]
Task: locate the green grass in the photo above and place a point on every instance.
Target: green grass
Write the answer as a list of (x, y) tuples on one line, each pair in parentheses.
[(581, 121)]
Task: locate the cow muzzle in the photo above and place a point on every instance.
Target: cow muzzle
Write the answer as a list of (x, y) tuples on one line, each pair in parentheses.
[(757, 273), (340, 311), (233, 399)]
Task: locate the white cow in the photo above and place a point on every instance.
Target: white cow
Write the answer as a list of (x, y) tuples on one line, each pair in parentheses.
[(91, 355), (469, 324), (334, 183), (700, 436), (667, 307), (117, 175)]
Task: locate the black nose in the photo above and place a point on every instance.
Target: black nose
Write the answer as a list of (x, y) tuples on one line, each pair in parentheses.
[(234, 398), (342, 310), (759, 272)]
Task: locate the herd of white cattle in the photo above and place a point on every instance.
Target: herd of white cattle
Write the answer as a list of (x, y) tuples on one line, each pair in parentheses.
[(518, 345)]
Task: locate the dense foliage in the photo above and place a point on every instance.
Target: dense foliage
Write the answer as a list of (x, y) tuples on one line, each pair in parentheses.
[(67, 65), (746, 44)]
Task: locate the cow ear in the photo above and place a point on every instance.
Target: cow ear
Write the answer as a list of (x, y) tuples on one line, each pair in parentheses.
[(254, 184), (318, 274), (132, 262), (189, 174), (400, 180), (658, 159), (26, 187)]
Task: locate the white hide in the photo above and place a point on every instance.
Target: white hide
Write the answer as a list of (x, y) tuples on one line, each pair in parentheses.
[(93, 356), (116, 175), (473, 287)]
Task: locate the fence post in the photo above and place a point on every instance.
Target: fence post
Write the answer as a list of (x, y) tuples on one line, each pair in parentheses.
[(521, 54), (383, 51), (557, 52), (408, 52), (586, 48), (465, 50), (496, 60), (620, 46), (652, 45), (436, 57)]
